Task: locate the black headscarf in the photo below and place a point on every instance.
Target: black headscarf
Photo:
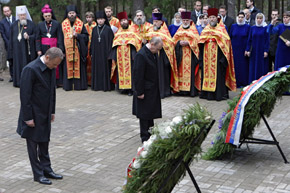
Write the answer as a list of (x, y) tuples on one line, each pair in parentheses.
[(102, 14), (71, 8)]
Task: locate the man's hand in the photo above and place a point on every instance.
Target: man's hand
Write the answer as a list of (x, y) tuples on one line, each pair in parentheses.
[(26, 36), (39, 53), (274, 21), (30, 123), (265, 54), (247, 53), (141, 96), (52, 118)]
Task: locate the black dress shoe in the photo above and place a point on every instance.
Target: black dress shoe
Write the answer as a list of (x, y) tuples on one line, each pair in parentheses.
[(10, 80), (1, 79), (43, 180), (53, 175)]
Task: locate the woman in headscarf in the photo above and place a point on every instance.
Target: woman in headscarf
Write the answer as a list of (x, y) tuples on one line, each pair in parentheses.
[(258, 48), (177, 22), (239, 34)]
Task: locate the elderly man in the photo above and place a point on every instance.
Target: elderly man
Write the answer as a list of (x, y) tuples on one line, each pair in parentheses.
[(76, 49), (125, 46), (114, 22), (37, 97), (146, 100), (90, 17), (141, 26), (167, 68), (216, 60), (21, 42), (5, 24), (187, 53), (48, 34), (248, 19)]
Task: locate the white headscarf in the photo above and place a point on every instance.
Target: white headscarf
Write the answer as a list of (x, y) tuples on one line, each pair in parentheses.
[(263, 24), (174, 20), (21, 10), (243, 23)]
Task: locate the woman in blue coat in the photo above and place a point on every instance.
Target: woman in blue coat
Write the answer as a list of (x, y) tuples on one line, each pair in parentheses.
[(239, 34), (258, 48)]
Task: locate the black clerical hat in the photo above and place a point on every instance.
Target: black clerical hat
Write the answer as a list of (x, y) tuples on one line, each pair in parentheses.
[(102, 14)]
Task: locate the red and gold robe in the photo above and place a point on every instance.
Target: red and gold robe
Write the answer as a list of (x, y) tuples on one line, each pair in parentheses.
[(123, 39), (212, 38), (184, 70), (169, 48), (89, 29), (142, 30), (114, 22), (73, 69)]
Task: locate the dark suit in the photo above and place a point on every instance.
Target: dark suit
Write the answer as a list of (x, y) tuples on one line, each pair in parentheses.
[(194, 17), (37, 96), (251, 23), (254, 13), (145, 81), (5, 32), (229, 22)]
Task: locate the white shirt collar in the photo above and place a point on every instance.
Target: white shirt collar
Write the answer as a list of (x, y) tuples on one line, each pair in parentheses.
[(41, 58)]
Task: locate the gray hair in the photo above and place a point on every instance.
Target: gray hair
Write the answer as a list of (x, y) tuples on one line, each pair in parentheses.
[(177, 14), (138, 11), (54, 52), (156, 40)]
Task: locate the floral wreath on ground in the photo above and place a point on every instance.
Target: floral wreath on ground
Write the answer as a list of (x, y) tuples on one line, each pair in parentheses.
[(169, 142), (262, 101)]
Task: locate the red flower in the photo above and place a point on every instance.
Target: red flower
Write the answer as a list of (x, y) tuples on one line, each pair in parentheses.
[(25, 27)]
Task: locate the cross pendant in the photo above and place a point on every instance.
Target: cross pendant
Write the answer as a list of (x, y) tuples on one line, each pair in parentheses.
[(99, 39)]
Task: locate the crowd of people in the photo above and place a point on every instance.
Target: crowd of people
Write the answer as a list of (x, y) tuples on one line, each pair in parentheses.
[(205, 52)]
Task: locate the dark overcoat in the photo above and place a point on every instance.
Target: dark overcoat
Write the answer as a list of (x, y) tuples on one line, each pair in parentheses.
[(37, 97), (145, 81)]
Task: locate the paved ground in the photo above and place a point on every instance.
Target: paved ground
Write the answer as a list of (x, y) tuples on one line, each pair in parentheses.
[(95, 136)]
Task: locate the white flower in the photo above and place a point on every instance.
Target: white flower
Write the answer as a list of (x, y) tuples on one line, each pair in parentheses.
[(136, 164), (283, 69), (168, 130), (139, 149), (176, 120), (144, 154), (245, 88), (146, 144), (207, 118)]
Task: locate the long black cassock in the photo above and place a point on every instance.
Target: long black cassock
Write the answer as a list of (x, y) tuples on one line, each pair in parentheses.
[(101, 47), (79, 83), (49, 35), (21, 52)]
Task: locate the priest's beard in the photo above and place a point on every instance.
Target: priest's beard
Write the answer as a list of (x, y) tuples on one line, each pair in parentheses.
[(23, 22), (72, 19), (212, 23), (155, 28), (139, 21), (185, 26)]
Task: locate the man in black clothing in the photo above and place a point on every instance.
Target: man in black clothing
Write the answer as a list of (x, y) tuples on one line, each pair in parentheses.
[(228, 21), (5, 24), (251, 6), (146, 100), (273, 41), (196, 12), (37, 97)]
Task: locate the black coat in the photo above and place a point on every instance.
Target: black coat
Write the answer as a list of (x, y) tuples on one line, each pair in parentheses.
[(229, 22), (5, 30), (37, 96), (145, 81)]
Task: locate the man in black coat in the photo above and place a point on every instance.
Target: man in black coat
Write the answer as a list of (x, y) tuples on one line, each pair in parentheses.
[(251, 6), (146, 100), (5, 24), (196, 12), (228, 21), (37, 97)]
